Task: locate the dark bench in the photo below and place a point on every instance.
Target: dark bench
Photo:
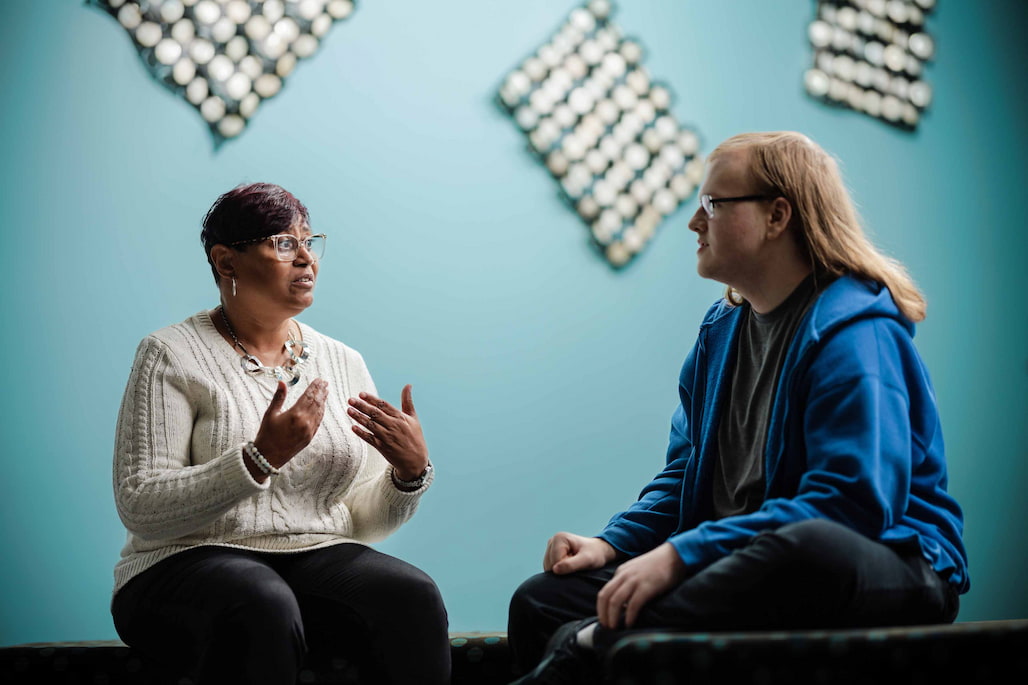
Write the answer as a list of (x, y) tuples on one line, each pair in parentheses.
[(478, 659), (993, 652)]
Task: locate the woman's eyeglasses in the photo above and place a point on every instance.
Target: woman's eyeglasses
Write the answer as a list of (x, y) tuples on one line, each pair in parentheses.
[(287, 246)]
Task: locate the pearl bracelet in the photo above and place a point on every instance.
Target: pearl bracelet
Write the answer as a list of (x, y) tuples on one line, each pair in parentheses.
[(258, 459)]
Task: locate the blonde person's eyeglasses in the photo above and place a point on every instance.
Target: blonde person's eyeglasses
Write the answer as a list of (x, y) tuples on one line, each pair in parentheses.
[(709, 203)]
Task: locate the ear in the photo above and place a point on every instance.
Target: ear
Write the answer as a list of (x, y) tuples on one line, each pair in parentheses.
[(779, 217), (223, 258)]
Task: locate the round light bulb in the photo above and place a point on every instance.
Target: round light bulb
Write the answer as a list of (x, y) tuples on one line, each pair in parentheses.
[(273, 10), (231, 126), (340, 9), (237, 11), (129, 16), (237, 48), (212, 109), (220, 68), (201, 51), (197, 90), (267, 85), (206, 12), (617, 255), (168, 51), (171, 11), (183, 31), (588, 208), (285, 64), (148, 34), (305, 45), (248, 105), (257, 28), (251, 66), (183, 72), (237, 85)]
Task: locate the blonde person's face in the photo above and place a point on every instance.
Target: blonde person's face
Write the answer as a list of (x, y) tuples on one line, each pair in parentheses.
[(288, 286), (729, 242)]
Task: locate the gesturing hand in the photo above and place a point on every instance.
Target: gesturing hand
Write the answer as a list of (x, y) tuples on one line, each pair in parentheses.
[(567, 553), (284, 433), (636, 583), (393, 432)]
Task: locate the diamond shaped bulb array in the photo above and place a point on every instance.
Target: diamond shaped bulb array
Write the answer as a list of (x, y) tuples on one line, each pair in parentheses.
[(603, 127), (225, 57), (870, 55)]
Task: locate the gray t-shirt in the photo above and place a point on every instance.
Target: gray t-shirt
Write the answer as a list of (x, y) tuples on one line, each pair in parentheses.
[(742, 434)]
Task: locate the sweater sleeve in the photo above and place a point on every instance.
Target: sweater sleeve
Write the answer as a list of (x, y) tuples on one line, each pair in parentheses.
[(377, 506), (158, 492)]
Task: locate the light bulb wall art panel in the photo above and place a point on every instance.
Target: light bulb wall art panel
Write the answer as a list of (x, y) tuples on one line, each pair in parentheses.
[(603, 128), (870, 56), (225, 57)]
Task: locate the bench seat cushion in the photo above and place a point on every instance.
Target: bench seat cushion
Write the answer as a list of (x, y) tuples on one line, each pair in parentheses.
[(973, 652)]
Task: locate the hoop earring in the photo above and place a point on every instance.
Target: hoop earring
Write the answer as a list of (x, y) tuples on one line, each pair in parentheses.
[(233, 286)]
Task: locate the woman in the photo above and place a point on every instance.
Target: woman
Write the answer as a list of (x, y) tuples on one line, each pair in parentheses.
[(249, 483)]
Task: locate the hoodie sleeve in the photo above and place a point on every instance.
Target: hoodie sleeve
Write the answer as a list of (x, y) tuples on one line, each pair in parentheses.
[(655, 515), (854, 437)]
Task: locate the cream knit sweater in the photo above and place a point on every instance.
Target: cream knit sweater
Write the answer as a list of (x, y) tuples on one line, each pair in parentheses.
[(179, 476)]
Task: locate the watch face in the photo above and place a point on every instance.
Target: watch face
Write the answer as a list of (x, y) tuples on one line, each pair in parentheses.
[(412, 484)]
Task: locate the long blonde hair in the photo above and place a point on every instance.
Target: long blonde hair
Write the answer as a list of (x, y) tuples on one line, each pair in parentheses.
[(792, 165)]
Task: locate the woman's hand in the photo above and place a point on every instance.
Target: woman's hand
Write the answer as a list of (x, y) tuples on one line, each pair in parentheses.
[(284, 433), (393, 432), (636, 583), (567, 553)]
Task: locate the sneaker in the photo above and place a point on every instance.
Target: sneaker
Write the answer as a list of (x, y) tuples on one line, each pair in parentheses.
[(565, 662)]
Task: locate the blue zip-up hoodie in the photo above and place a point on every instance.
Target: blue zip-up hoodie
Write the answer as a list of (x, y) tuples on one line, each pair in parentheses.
[(854, 437)]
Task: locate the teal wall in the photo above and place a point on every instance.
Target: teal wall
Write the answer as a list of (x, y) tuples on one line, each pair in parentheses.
[(545, 380)]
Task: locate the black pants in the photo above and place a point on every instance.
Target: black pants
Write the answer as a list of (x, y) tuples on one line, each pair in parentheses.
[(812, 574), (235, 616)]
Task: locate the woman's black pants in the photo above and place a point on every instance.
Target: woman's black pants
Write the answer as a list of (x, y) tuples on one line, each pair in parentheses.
[(228, 615), (811, 574)]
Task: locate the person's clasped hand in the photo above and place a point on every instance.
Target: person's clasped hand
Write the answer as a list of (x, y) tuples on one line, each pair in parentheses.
[(395, 433), (567, 553), (636, 583)]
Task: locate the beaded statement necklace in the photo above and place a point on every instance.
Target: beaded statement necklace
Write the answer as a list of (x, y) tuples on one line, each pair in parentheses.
[(299, 353)]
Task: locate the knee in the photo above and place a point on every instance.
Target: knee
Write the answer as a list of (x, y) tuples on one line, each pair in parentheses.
[(415, 589), (811, 541), (813, 533), (529, 596), (267, 607)]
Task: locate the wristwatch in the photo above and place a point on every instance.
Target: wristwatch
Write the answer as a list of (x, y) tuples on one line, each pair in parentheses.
[(410, 485)]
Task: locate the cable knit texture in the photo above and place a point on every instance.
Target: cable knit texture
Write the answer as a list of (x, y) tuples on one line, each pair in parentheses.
[(179, 476)]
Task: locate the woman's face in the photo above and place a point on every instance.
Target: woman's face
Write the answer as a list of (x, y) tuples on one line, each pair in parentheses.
[(267, 282)]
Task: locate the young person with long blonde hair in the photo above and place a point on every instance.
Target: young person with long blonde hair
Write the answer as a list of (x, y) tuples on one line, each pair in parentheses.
[(805, 479)]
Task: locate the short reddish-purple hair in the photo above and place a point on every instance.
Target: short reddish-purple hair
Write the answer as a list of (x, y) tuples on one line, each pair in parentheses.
[(247, 212)]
